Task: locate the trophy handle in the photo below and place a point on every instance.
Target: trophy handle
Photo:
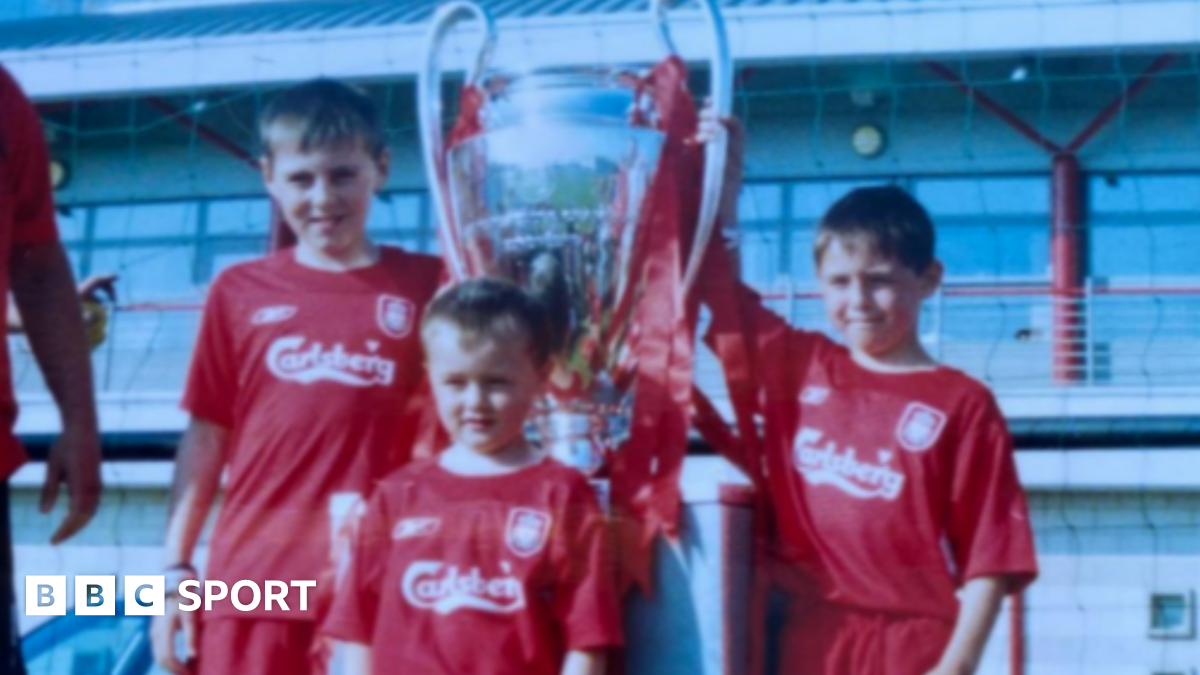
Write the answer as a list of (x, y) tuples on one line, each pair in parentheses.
[(721, 92), (429, 110)]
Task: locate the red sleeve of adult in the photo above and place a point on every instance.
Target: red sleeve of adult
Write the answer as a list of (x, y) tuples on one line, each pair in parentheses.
[(212, 384), (586, 600), (355, 607), (29, 166), (989, 529)]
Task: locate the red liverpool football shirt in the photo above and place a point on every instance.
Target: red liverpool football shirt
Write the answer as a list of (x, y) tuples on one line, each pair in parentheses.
[(26, 218), (313, 372), (890, 489), (497, 575)]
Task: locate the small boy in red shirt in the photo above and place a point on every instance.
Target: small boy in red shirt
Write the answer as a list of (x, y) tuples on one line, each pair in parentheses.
[(899, 517), (490, 559)]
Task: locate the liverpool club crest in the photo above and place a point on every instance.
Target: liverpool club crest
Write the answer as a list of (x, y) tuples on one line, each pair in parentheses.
[(395, 316), (527, 531), (920, 426)]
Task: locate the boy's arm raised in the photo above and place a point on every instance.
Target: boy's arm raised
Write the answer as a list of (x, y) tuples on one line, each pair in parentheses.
[(735, 306), (981, 598)]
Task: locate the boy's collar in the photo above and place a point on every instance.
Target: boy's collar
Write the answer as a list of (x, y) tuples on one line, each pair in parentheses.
[(305, 257), (924, 365)]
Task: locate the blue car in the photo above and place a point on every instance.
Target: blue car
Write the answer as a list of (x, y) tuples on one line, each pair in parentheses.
[(91, 645)]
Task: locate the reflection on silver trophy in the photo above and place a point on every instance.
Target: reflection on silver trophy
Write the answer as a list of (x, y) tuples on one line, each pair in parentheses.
[(548, 191)]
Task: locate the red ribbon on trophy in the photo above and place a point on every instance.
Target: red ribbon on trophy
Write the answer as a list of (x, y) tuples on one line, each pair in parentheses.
[(646, 471)]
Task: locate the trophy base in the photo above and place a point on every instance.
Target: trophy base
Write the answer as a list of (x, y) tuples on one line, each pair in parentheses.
[(581, 439)]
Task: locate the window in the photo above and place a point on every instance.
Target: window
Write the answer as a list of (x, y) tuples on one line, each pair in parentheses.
[(72, 225), (152, 247), (760, 232), (990, 228), (399, 217), (1172, 615), (238, 218), (1145, 229), (146, 221), (236, 230)]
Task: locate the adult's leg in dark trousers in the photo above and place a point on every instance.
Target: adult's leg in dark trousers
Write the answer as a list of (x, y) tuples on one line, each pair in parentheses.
[(11, 662)]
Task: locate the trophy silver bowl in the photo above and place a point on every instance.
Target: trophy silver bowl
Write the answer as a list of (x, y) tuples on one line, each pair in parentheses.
[(549, 193)]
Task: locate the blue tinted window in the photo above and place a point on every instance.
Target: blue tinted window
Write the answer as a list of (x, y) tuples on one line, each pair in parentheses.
[(1145, 230), (250, 217), (990, 229), (143, 221), (760, 201), (810, 201), (149, 272), (72, 224)]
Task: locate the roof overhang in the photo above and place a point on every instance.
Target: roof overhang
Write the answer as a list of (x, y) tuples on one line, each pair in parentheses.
[(827, 30)]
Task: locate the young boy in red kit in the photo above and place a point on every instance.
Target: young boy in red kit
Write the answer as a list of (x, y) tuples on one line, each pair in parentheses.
[(899, 518), (306, 362), (490, 559)]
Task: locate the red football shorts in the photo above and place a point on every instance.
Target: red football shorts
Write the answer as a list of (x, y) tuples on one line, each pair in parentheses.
[(260, 647), (827, 639)]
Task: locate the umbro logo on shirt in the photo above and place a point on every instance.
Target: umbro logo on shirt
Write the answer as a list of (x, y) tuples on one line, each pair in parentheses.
[(416, 527), (273, 314)]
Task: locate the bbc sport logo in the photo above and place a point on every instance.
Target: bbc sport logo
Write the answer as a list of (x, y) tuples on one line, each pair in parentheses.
[(145, 595)]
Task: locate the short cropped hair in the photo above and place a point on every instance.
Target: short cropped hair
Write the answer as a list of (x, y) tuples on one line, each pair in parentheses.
[(494, 309), (328, 113), (886, 218)]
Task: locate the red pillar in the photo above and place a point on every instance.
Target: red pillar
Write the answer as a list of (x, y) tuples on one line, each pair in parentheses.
[(1067, 257)]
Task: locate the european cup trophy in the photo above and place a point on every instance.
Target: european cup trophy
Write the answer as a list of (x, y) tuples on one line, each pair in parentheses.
[(544, 182)]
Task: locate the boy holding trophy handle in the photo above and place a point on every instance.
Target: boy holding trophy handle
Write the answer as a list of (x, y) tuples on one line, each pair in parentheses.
[(898, 516)]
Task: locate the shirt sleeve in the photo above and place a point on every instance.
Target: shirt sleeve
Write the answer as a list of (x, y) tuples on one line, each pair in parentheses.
[(212, 384), (355, 607), (586, 599), (28, 161), (989, 529)]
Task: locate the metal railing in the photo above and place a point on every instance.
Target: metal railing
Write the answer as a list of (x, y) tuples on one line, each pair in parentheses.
[(1013, 336)]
